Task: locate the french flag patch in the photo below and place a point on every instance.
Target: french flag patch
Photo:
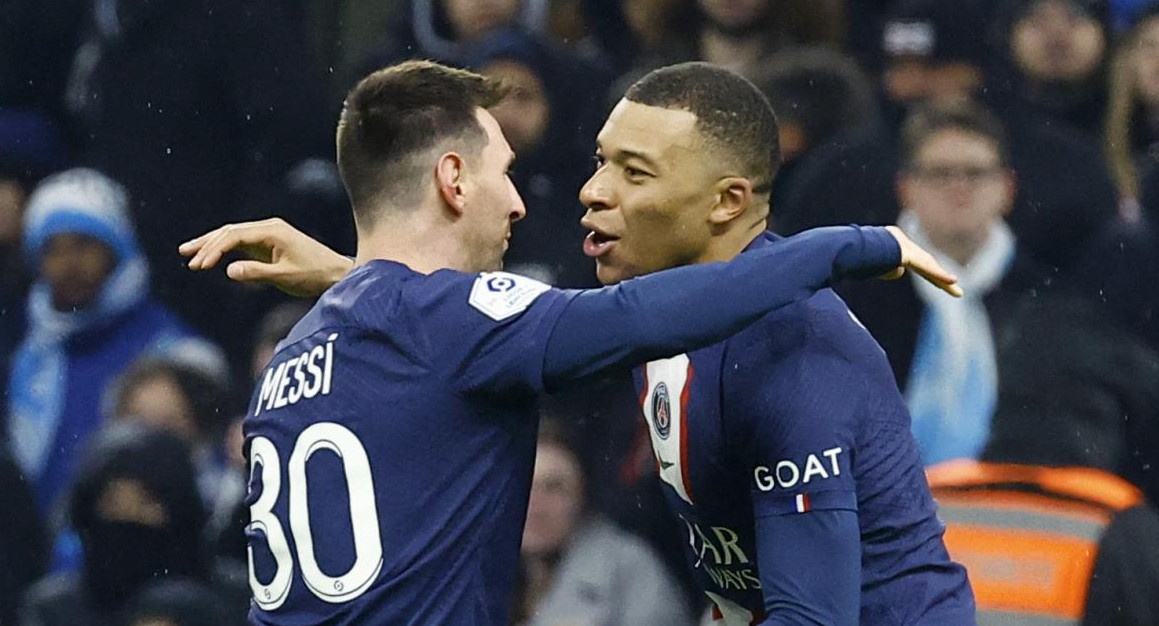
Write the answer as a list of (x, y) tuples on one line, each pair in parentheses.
[(803, 503)]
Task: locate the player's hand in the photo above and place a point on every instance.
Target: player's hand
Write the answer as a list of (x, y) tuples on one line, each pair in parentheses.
[(279, 254), (916, 258)]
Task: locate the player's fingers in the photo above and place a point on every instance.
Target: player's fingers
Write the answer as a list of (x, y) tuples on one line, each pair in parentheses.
[(193, 245), (942, 280), (229, 238), (924, 263), (211, 251), (248, 271)]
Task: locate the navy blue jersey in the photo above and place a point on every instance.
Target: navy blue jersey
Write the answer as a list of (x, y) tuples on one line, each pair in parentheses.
[(391, 443), (391, 439), (798, 413)]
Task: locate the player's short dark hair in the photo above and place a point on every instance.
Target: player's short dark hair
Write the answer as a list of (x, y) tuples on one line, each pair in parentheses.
[(393, 116), (965, 116), (730, 112)]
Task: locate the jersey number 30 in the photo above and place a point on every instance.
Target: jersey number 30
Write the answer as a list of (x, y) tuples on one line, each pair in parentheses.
[(363, 517)]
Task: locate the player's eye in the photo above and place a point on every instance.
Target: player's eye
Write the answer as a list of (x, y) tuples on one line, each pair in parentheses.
[(598, 160), (635, 174)]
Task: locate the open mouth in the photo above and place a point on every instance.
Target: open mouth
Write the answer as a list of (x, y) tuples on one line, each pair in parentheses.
[(597, 244)]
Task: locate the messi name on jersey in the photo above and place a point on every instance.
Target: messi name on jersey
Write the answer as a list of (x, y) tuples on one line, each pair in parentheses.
[(301, 377)]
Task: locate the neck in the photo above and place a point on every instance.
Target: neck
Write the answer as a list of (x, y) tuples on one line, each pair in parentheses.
[(421, 240), (961, 249), (726, 246), (731, 51)]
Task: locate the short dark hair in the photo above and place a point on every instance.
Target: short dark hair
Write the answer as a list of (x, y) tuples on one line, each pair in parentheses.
[(207, 399), (397, 113), (966, 116), (730, 111)]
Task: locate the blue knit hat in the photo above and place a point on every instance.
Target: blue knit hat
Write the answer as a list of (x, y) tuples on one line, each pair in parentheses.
[(84, 202)]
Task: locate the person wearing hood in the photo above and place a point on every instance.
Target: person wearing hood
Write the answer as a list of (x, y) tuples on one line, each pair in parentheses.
[(446, 30), (550, 119), (140, 520), (89, 316), (1052, 57), (934, 54)]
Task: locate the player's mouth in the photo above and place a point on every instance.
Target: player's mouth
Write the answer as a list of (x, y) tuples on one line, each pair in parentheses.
[(597, 244)]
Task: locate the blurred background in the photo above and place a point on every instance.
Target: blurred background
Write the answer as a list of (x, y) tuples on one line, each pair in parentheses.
[(1018, 139)]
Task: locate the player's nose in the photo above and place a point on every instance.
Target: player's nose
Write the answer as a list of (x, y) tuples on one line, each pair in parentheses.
[(518, 209), (596, 194)]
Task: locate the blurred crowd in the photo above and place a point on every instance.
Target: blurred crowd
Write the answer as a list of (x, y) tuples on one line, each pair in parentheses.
[(1017, 139)]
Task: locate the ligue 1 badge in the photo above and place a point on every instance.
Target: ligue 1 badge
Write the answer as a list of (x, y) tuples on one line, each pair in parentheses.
[(661, 410)]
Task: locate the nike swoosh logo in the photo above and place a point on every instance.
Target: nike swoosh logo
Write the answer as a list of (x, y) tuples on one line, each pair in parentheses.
[(665, 464)]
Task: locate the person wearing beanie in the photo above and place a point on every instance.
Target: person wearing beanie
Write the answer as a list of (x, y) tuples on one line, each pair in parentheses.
[(90, 315), (1052, 62)]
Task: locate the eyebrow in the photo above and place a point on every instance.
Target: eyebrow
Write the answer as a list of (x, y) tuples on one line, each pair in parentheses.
[(625, 154)]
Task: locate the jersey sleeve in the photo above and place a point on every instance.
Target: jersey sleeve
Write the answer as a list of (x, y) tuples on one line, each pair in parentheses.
[(485, 333), (799, 412)]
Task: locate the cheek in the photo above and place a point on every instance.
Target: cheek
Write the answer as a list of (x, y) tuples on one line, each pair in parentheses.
[(1089, 46)]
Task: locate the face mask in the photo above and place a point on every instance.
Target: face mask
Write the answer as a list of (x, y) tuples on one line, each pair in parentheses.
[(121, 558)]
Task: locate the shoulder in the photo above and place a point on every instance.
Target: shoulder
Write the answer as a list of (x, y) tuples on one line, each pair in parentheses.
[(818, 327)]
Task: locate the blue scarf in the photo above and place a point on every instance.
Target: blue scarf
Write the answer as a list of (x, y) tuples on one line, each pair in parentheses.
[(953, 382), (39, 371)]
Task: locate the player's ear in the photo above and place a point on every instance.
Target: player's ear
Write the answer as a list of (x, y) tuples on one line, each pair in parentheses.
[(449, 175), (734, 195)]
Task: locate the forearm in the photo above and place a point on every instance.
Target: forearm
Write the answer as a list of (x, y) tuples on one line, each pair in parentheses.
[(810, 568), (691, 307)]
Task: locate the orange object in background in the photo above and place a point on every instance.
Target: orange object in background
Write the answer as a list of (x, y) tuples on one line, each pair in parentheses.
[(1028, 535)]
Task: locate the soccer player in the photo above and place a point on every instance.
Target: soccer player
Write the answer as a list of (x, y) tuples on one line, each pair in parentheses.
[(392, 437), (785, 450)]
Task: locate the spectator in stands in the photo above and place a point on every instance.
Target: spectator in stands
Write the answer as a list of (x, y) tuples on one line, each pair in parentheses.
[(29, 150), (1065, 196), (550, 118), (23, 545), (1131, 136), (90, 316), (136, 508), (818, 95), (932, 54), (744, 36), (578, 568), (957, 187), (1053, 59), (445, 30), (200, 109), (1046, 524), (162, 392)]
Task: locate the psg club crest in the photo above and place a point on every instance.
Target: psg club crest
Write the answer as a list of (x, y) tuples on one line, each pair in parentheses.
[(661, 410)]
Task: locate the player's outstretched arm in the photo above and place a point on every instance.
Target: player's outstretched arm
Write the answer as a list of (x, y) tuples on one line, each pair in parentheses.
[(674, 311), (280, 255)]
